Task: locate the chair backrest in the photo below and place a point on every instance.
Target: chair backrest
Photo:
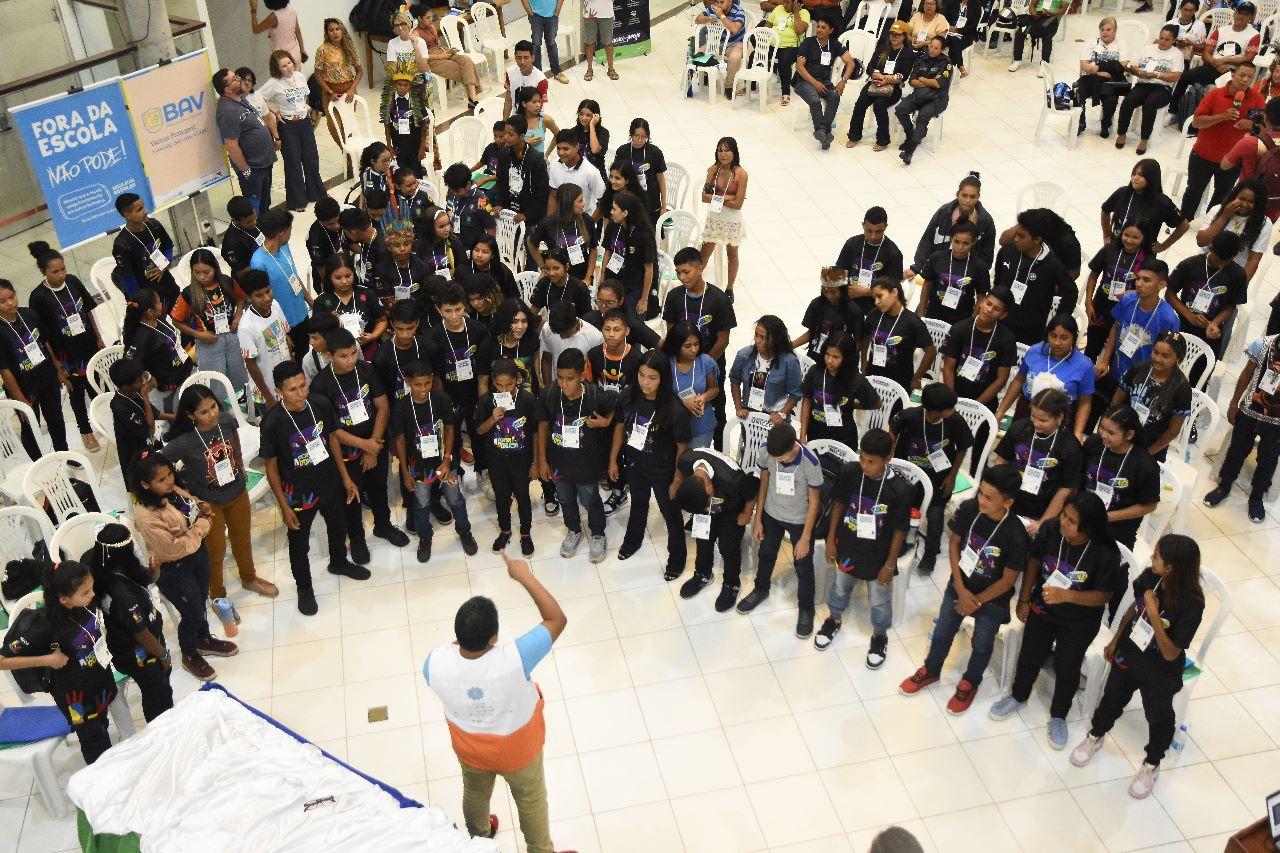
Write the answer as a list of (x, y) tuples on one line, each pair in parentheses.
[(100, 275), (871, 16), (97, 371), (666, 275), (893, 397), (1198, 350), (859, 43), (21, 527), (1205, 416), (831, 447), (526, 281), (1044, 194), (1135, 35), (916, 475), (676, 230), (938, 331), (77, 535), (100, 417), (752, 434), (711, 39), (453, 32), (465, 139), (486, 20), (489, 110), (11, 431), (180, 269), (108, 314), (976, 415), (1212, 585), (511, 242), (219, 384), (1133, 567), (1172, 493), (49, 479), (356, 118), (760, 48), (1220, 17), (1267, 20), (1047, 81), (678, 184)]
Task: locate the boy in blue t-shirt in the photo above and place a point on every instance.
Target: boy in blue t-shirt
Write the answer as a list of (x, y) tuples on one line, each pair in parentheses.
[(1140, 316)]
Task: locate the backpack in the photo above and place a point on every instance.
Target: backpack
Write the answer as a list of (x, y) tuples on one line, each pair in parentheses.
[(1269, 173), (31, 621), (374, 17), (831, 465)]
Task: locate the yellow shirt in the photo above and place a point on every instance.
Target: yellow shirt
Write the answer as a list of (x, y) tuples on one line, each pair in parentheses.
[(783, 22)]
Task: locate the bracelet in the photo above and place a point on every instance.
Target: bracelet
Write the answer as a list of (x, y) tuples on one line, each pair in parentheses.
[(165, 656)]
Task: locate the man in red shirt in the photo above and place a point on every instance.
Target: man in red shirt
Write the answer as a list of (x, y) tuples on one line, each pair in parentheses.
[(1222, 120), (1247, 153)]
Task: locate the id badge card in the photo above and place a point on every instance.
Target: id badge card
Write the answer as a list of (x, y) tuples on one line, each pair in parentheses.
[(755, 399), (968, 561), (1019, 289), (35, 355), (864, 278), (879, 355), (571, 435), (866, 525), (962, 19), (576, 255), (353, 323), (1269, 382), (260, 239), (971, 369), (786, 483), (75, 325), (221, 325), (296, 284), (616, 260), (1059, 580), (642, 180), (157, 259), (503, 400), (402, 126), (429, 446), (464, 369), (357, 412), (832, 415), (223, 471), (1032, 480), (317, 451), (717, 203), (687, 393), (1106, 491), (180, 353), (100, 650), (701, 526), (639, 435), (889, 65), (938, 459), (824, 58), (403, 291), (1203, 300), (1131, 342), (1144, 412), (515, 180), (1142, 633), (1116, 288), (951, 296)]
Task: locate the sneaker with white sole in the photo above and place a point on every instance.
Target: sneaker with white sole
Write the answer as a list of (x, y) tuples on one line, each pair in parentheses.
[(1085, 750), (570, 545), (1057, 733), (826, 634), (878, 652), (1015, 65), (1005, 707), (1145, 781), (597, 546)]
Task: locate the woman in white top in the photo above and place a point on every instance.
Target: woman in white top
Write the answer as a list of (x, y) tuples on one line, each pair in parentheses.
[(1191, 31), (927, 23), (1102, 74), (1244, 212), (286, 95), (281, 27), (1154, 74), (408, 46)]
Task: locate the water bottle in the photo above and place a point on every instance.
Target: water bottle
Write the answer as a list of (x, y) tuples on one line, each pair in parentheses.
[(227, 614), (1180, 738)]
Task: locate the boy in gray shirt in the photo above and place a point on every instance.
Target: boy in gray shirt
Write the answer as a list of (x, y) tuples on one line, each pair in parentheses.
[(788, 502)]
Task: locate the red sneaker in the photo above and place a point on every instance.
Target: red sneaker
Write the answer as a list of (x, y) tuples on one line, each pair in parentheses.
[(963, 697), (917, 682), (493, 826)]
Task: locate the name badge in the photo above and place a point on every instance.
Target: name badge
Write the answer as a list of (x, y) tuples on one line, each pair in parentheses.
[(576, 255), (643, 180), (755, 399), (879, 355), (1269, 382), (402, 126), (1106, 491), (1203, 300), (1131, 342), (616, 260), (938, 459), (951, 296), (1142, 633), (1116, 288), (701, 526), (463, 369), (260, 239), (180, 353), (100, 650), (403, 291), (639, 435), (75, 325), (221, 325), (1058, 580), (971, 369), (157, 258), (317, 451), (223, 471), (824, 58), (429, 446), (357, 412), (717, 203), (968, 561), (352, 322), (687, 393), (889, 65), (1032, 480), (962, 19), (504, 400), (832, 415), (864, 278), (786, 483), (866, 525), (515, 180), (296, 284), (1019, 289), (938, 236), (35, 355), (571, 436), (1144, 412)]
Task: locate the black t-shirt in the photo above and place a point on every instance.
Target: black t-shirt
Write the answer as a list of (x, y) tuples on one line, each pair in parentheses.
[(902, 336), (1117, 270), (531, 196), (350, 393), (1145, 390), (822, 390), (649, 163), (731, 487), (57, 310), (638, 331), (447, 258), (823, 320), (1227, 284), (364, 303), (882, 261), (285, 436), (159, 350), (513, 434), (813, 52), (546, 294), (130, 422), (1180, 623), (953, 280), (503, 276), (637, 247), (649, 437), (1000, 545), (1126, 206), (596, 158), (452, 348), (391, 362), (913, 432), (416, 421), (551, 234), (84, 685), (581, 464), (710, 314), (238, 246), (889, 498), (1134, 479), (23, 353), (1045, 280), (994, 349), (471, 214), (127, 610), (132, 254), (613, 374), (1059, 456), (1091, 567), (394, 282), (524, 355), (322, 244)]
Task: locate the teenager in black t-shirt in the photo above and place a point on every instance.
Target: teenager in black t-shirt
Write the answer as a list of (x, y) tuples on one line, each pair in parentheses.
[(610, 296), (1205, 290), (954, 278), (710, 312), (1112, 272), (1148, 654), (150, 338), (869, 256), (831, 313), (131, 414), (242, 237), (324, 237), (457, 343), (32, 373), (1159, 392), (833, 388), (978, 353), (557, 285), (892, 335), (721, 497), (1121, 473), (401, 274), (1047, 457), (507, 417), (1035, 275)]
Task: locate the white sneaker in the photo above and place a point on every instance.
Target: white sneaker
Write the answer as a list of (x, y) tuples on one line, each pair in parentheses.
[(1040, 71), (1085, 749), (1145, 782), (1015, 65)]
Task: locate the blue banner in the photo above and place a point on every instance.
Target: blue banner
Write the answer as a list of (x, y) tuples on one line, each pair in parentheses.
[(84, 154)]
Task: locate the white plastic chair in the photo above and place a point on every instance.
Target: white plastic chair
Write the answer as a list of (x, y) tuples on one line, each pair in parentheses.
[(1268, 28), (525, 283), (831, 447), (1182, 458), (180, 269), (40, 755), (859, 44), (666, 276), (458, 33), (998, 29), (98, 369), (489, 109), (250, 435), (1197, 351), (871, 16), (1044, 194), (976, 416), (77, 535), (108, 315), (677, 230), (1174, 499), (101, 419), (570, 30), (465, 140), (1176, 172), (489, 31), (1049, 111), (1214, 18), (938, 330), (49, 479), (1134, 35), (752, 434), (893, 397), (355, 126), (21, 529), (760, 50), (14, 461), (906, 560), (712, 39), (678, 184), (511, 242)]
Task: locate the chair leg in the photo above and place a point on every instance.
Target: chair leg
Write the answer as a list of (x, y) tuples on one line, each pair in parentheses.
[(55, 798), (120, 713)]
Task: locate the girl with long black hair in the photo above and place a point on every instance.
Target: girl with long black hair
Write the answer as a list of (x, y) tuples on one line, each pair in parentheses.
[(1143, 201), (1045, 452), (152, 340), (591, 134), (649, 163), (833, 388), (32, 373), (1159, 392), (765, 376), (209, 311), (1121, 472), (631, 254), (568, 229), (1243, 212), (359, 310)]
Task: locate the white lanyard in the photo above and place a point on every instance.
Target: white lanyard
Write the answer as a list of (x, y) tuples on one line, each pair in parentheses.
[(21, 339), (964, 273), (867, 520), (295, 282), (968, 556), (570, 434), (684, 393), (830, 411), (990, 337), (316, 450), (941, 454), (880, 352), (257, 238), (395, 355), (701, 301), (1062, 540), (62, 306), (1018, 268), (1108, 492), (1125, 221), (466, 340), (155, 241), (136, 404), (357, 411), (223, 469), (1115, 271), (870, 271)]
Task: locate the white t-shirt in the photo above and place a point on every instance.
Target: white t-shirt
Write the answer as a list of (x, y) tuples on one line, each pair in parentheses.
[(535, 79), (400, 49), (597, 9), (1232, 43), (1161, 62), (585, 176), (1236, 226), (264, 339), (287, 95), (1193, 32), (587, 337), (1100, 51)]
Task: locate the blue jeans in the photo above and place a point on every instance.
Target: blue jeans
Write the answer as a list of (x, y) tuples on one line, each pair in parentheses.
[(822, 107), (257, 187), (768, 555), (879, 597), (225, 356), (987, 621), (570, 495), (545, 28), (422, 500)]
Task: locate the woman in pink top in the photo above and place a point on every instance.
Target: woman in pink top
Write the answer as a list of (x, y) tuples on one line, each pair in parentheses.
[(281, 27)]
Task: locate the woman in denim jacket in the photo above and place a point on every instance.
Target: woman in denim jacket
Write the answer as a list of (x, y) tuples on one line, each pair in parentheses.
[(765, 376)]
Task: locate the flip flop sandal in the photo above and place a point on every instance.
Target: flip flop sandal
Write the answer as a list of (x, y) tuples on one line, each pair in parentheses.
[(589, 75)]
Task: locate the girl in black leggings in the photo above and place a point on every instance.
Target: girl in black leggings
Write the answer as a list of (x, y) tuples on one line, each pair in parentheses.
[(31, 372)]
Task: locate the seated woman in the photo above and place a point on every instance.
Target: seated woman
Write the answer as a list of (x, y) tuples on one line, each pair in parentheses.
[(1047, 456), (1054, 364), (965, 17), (890, 66), (926, 24), (1102, 70), (1159, 392), (1191, 30), (445, 61), (1121, 472), (1156, 71), (930, 89)]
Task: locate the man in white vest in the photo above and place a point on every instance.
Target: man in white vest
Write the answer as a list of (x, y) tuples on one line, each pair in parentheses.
[(494, 710)]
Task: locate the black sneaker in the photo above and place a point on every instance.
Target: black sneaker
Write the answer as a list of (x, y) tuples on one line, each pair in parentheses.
[(441, 514), (878, 652), (695, 585), (615, 500), (550, 505), (392, 534), (927, 562), (1257, 513), (1080, 127), (1218, 495), (469, 546), (348, 569), (360, 553), (752, 600), (408, 521), (526, 544), (307, 603), (728, 595), (804, 625), (501, 542), (424, 550), (827, 633)]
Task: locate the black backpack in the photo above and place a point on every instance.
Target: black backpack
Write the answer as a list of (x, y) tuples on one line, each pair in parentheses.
[(30, 622), (831, 465), (374, 17)]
